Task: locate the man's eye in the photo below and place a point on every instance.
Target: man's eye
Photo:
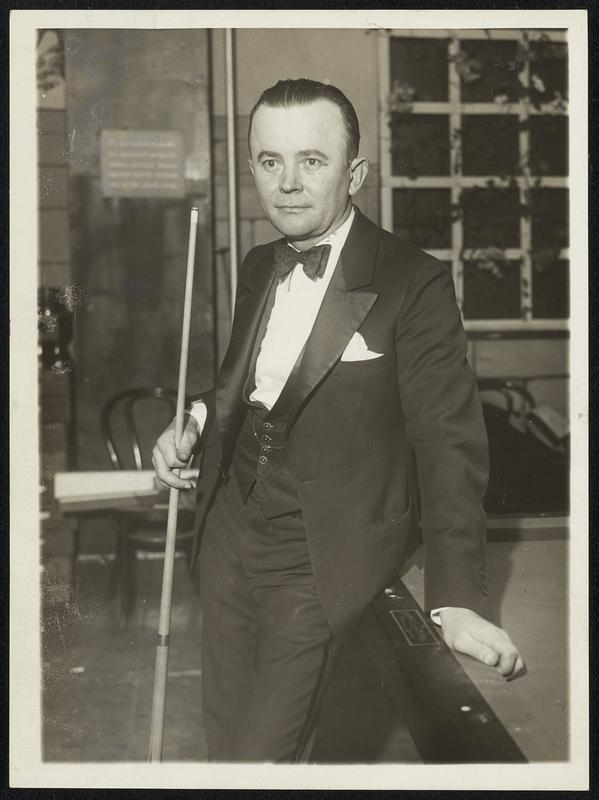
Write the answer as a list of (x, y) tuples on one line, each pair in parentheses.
[(311, 164), (269, 164)]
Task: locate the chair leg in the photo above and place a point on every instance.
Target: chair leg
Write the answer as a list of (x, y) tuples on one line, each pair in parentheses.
[(75, 558), (114, 579), (128, 584), (121, 583)]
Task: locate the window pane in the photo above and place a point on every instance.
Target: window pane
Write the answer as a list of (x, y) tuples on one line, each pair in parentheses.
[(492, 289), (489, 145), (549, 218), (421, 65), (423, 216), (548, 145), (491, 217), (550, 289), (549, 62), (489, 69), (420, 144)]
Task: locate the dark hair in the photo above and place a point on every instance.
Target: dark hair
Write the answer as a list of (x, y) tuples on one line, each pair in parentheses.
[(301, 92)]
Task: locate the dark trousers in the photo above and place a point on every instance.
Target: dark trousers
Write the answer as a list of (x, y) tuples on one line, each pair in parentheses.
[(267, 650)]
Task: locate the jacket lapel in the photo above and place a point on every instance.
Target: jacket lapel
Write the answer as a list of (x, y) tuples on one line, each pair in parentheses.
[(343, 310), (252, 294)]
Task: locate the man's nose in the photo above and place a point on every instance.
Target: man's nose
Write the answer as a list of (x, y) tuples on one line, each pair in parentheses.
[(290, 179)]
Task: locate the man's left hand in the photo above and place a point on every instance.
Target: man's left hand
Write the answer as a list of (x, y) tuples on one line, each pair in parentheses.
[(467, 632)]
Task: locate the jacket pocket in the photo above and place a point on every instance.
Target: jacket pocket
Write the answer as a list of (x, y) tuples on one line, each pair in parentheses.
[(389, 536), (395, 519), (368, 366)]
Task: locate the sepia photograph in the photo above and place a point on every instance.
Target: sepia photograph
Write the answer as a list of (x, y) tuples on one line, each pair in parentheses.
[(298, 331)]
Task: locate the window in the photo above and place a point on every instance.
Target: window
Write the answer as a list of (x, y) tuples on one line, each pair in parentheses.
[(474, 166)]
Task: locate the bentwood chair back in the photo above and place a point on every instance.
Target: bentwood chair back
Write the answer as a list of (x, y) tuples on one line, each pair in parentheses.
[(130, 423)]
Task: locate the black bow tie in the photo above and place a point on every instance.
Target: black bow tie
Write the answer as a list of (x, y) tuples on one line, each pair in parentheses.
[(314, 260)]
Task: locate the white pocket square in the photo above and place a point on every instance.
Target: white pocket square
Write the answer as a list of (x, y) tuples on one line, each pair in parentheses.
[(357, 350)]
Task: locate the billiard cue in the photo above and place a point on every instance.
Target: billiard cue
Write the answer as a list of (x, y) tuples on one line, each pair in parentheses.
[(164, 621), (231, 161)]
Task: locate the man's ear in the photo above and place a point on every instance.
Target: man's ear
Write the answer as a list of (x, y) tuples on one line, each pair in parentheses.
[(358, 170), (251, 166)]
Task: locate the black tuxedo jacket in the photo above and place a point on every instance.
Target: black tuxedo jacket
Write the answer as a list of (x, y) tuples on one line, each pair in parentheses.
[(357, 425)]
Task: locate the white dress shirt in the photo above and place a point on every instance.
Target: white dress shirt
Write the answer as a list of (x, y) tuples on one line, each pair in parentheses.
[(297, 301)]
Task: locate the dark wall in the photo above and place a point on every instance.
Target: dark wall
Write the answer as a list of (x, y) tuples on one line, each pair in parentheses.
[(129, 255)]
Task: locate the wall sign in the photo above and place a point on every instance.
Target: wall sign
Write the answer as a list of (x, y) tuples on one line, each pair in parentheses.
[(142, 164)]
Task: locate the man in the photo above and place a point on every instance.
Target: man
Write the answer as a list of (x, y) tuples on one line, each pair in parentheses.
[(347, 357)]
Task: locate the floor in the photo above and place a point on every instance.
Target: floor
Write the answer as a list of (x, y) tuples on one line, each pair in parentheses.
[(98, 676)]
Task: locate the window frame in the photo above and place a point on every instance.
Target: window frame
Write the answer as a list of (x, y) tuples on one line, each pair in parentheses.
[(455, 181)]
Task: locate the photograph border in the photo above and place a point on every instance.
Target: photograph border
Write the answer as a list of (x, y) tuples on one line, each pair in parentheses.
[(26, 768)]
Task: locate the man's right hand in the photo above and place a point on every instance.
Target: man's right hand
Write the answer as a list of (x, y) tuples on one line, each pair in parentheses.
[(166, 457)]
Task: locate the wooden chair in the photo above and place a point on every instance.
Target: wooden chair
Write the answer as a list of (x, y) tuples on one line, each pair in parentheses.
[(529, 467), (130, 422)]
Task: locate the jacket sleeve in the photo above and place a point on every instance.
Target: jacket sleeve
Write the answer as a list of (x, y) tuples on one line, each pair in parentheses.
[(444, 424)]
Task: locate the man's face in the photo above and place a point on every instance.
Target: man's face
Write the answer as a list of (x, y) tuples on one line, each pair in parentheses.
[(298, 156)]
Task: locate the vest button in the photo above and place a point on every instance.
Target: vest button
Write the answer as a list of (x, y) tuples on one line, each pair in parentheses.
[(263, 459), (264, 449), (267, 426)]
